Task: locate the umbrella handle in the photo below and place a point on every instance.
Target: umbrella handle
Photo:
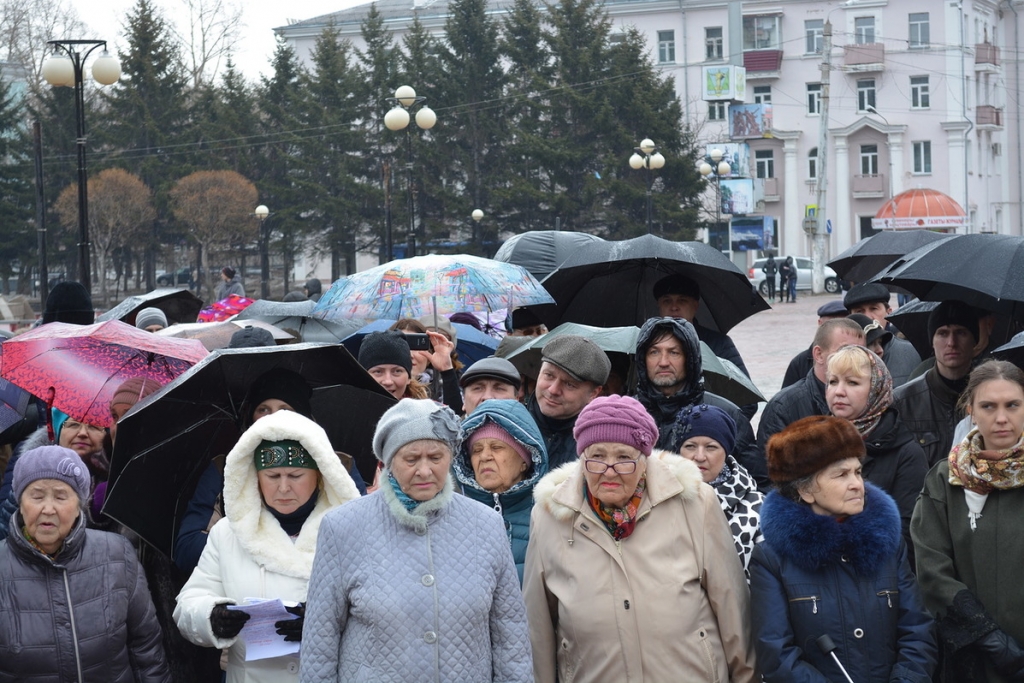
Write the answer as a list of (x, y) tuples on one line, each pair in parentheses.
[(50, 395)]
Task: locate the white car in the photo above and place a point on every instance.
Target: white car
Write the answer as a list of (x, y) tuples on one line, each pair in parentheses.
[(803, 282)]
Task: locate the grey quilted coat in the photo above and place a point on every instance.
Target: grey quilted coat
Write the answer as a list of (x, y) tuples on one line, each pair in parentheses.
[(397, 597), (85, 616)]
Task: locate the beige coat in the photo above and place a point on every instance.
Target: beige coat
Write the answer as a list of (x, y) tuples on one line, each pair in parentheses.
[(668, 603)]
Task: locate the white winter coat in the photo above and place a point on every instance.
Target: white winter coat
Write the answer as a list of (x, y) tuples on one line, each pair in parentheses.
[(249, 555)]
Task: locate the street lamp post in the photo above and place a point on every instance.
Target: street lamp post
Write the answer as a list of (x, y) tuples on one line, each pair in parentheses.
[(262, 213), (397, 119), (477, 216), (714, 164), (647, 157), (65, 67)]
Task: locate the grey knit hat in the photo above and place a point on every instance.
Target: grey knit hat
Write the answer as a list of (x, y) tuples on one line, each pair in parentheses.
[(584, 360), (51, 462), (412, 420), (150, 316)]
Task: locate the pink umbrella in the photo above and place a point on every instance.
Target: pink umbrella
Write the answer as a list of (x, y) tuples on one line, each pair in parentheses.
[(225, 308), (77, 368)]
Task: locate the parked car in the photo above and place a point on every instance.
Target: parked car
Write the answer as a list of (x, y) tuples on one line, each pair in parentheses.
[(804, 267), (182, 276)]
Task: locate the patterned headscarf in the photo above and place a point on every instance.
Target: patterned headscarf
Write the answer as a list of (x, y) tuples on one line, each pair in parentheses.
[(879, 394), (983, 471)]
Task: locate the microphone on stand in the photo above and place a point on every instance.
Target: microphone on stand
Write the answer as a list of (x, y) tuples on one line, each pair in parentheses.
[(827, 647)]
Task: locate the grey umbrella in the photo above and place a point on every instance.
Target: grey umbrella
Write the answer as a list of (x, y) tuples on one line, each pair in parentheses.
[(294, 315), (542, 251), (179, 305)]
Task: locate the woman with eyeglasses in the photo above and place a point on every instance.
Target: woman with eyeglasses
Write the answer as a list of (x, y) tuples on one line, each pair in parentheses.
[(631, 573)]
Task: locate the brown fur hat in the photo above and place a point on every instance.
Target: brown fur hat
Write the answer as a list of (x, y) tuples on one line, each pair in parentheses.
[(811, 444)]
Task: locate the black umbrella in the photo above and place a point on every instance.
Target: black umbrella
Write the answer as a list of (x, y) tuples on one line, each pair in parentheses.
[(611, 284), (165, 443), (1012, 351), (179, 305), (542, 251), (294, 315), (874, 254), (912, 321)]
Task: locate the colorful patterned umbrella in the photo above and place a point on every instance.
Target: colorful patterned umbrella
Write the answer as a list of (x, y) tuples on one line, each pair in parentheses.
[(225, 308), (77, 368), (407, 288)]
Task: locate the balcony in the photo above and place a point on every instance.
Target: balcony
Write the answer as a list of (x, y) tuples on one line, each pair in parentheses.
[(771, 189), (988, 117), (869, 186), (762, 63), (865, 58), (986, 58)]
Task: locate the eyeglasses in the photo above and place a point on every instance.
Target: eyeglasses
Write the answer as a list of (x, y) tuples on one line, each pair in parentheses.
[(73, 426), (621, 467)]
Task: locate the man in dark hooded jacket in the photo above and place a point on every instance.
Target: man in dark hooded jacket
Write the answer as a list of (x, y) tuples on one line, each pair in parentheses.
[(670, 377), (312, 289)]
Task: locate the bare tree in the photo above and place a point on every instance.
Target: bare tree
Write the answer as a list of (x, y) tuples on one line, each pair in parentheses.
[(208, 34), (26, 25)]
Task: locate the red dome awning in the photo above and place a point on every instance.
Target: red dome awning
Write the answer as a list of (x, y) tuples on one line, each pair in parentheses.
[(920, 208)]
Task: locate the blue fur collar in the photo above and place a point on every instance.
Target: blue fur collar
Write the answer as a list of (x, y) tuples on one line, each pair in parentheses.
[(813, 541)]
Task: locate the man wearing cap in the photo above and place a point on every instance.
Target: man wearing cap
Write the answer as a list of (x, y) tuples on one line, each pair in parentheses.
[(573, 371), (525, 323), (928, 404), (807, 397), (872, 299), (804, 361), (669, 375), (488, 378)]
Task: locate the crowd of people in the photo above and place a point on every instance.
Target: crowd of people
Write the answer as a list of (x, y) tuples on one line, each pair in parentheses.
[(558, 525)]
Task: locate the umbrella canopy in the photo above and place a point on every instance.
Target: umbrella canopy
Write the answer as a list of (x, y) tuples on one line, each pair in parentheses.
[(165, 443), (983, 270), (13, 403), (920, 208), (611, 284), (225, 308), (77, 368), (179, 305), (912, 321), (472, 344), (874, 254), (410, 288), (542, 251), (218, 335), (295, 315), (721, 376), (1012, 351)]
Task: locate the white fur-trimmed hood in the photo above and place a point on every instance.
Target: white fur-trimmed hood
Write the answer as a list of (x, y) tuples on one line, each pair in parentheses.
[(668, 475), (254, 526)]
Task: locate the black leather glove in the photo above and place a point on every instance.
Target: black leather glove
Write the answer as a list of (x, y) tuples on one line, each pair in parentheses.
[(1003, 653), (226, 622), (291, 629)]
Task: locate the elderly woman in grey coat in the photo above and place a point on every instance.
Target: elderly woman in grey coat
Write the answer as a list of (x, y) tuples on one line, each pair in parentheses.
[(73, 601), (413, 582)]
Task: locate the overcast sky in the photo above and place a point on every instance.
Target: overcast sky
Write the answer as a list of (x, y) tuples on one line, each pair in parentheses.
[(106, 17)]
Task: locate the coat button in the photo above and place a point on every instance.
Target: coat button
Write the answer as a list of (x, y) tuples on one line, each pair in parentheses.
[(427, 580), (293, 667), (421, 532), (430, 637), (858, 633)]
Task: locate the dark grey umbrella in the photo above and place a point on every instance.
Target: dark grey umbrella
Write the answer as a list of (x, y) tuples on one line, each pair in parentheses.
[(294, 315), (912, 321), (542, 251), (179, 305), (611, 284), (874, 254)]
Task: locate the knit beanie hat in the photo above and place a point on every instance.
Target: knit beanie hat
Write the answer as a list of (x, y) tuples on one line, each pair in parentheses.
[(134, 390), (953, 313), (385, 348), (811, 444), (150, 316), (494, 431), (584, 360), (676, 284), (251, 338), (51, 462), (284, 385), (615, 419), (69, 302), (229, 271), (704, 420), (413, 420)]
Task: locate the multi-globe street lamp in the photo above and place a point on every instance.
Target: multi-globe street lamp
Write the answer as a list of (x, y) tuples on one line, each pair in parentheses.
[(398, 119), (714, 164), (65, 67), (647, 157)]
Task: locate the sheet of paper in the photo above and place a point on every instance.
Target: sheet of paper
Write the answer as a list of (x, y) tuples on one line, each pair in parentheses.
[(259, 633)]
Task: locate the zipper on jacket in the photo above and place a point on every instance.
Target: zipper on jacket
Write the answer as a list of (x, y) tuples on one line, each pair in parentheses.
[(497, 503), (888, 596), (74, 629), (814, 602)]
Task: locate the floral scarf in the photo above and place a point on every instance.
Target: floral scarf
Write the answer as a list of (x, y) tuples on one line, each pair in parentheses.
[(879, 395), (982, 471), (619, 521)]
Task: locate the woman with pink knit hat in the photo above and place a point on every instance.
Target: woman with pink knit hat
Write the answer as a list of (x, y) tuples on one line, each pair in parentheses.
[(630, 571)]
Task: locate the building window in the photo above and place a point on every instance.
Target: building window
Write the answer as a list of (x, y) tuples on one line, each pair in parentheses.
[(920, 32), (920, 98), (762, 94), (716, 111), (765, 163), (814, 29), (713, 42), (923, 157), (762, 32), (865, 94), (869, 159), (617, 38), (814, 98), (666, 47), (812, 163), (864, 30)]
